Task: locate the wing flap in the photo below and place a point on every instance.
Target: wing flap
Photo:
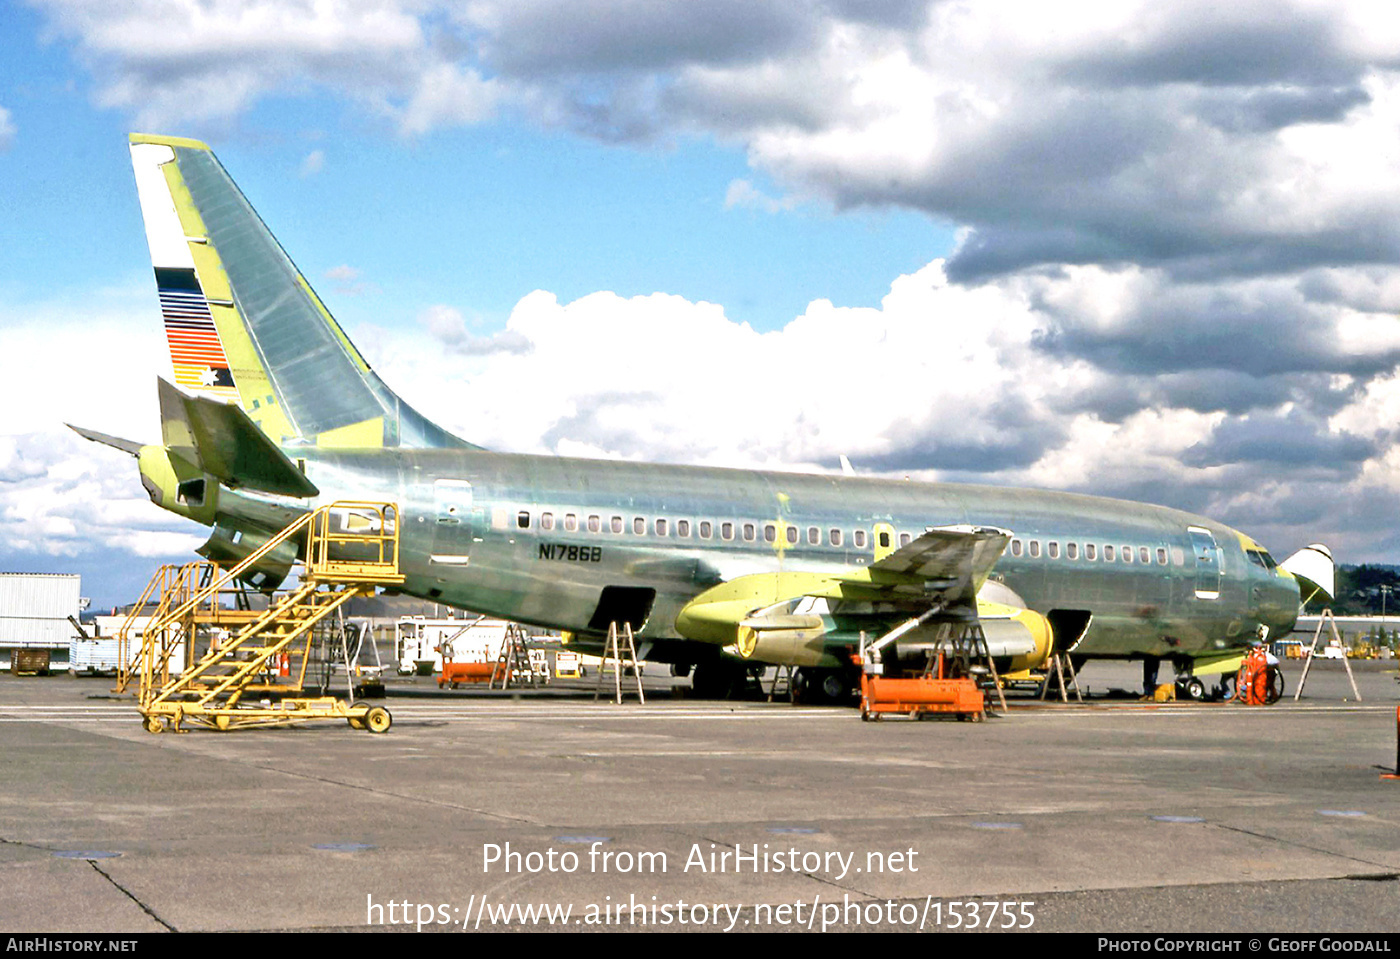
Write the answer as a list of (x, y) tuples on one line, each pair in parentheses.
[(947, 563)]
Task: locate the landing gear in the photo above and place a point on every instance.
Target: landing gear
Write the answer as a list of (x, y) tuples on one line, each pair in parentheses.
[(718, 679), (1191, 688), (822, 686), (1149, 674)]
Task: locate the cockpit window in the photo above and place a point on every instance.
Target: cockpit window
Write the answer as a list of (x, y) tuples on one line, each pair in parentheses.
[(1261, 558)]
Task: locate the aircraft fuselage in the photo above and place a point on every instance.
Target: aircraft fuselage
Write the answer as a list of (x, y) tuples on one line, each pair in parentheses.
[(538, 539)]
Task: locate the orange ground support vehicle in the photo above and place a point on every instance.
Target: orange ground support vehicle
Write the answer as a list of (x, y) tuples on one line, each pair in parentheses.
[(457, 673), (935, 691)]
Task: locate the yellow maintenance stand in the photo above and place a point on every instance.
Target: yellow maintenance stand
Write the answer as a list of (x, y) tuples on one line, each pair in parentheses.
[(350, 548)]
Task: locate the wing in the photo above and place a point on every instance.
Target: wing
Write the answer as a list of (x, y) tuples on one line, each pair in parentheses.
[(943, 568)]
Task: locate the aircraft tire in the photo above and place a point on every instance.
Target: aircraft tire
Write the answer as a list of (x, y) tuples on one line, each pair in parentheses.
[(819, 687), (715, 680), (1195, 689)]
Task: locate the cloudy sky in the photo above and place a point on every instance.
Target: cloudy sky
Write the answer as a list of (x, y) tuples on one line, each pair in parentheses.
[(1139, 249)]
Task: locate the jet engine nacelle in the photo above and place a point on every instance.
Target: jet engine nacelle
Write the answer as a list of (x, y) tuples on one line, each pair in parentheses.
[(789, 641), (1017, 638)]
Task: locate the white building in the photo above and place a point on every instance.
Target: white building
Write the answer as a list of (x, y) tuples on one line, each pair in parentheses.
[(34, 611)]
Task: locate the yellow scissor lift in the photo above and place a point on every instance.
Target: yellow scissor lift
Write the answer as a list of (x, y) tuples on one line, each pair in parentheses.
[(351, 548)]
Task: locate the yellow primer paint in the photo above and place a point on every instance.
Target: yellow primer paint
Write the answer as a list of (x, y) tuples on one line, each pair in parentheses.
[(1035, 624), (162, 473), (1229, 663), (715, 614), (167, 141), (249, 377), (882, 551), (367, 434), (190, 220)]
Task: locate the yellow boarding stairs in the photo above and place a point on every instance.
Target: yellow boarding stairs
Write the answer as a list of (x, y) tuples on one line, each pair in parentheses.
[(351, 548), (169, 589)]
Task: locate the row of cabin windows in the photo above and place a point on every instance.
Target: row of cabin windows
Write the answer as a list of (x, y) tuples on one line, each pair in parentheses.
[(1090, 552), (569, 522), (834, 536)]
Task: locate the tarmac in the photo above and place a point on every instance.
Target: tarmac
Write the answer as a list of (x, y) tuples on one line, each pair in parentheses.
[(485, 811)]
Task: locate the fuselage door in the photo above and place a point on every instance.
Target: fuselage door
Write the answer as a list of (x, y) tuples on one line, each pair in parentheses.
[(452, 532), (1207, 563)]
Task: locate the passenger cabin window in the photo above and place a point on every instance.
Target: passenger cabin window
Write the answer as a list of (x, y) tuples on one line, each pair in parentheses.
[(595, 523), (1091, 551), (1161, 556), (750, 532), (814, 536), (570, 522), (1178, 556), (661, 527), (884, 539), (546, 521), (1108, 554), (1015, 547), (1071, 551), (860, 539), (1053, 549), (726, 531), (1143, 555), (770, 533), (790, 535), (1127, 554), (683, 528), (1035, 549), (639, 525), (905, 539), (835, 537), (616, 524), (706, 529), (522, 519)]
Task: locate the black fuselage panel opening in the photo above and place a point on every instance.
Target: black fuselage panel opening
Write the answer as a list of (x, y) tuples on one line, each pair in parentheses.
[(622, 604)]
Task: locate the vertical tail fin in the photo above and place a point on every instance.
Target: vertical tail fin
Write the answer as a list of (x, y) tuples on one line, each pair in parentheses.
[(243, 324)]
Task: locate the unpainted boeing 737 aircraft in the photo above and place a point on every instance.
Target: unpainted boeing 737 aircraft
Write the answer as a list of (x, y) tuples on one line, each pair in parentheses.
[(273, 412)]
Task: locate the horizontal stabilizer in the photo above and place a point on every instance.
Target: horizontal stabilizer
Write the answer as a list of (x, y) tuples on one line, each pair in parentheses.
[(220, 439), (116, 442), (1314, 569)]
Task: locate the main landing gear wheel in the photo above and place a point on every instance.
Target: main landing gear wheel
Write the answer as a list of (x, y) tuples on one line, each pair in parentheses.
[(378, 720), (820, 686), (1195, 689), (718, 680)]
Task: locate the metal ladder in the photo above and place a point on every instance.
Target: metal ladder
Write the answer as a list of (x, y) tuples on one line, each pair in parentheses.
[(513, 661), (620, 642)]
